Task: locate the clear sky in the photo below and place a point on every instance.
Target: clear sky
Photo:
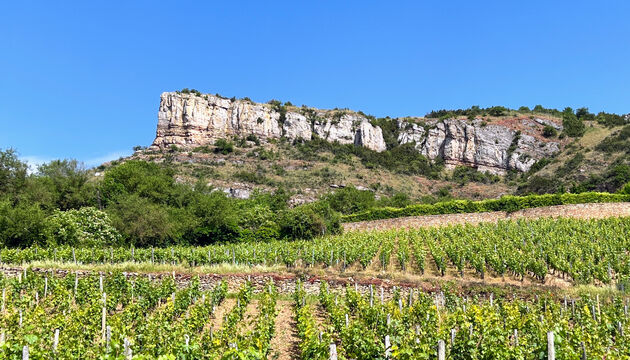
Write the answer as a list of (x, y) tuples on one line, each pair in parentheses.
[(82, 79)]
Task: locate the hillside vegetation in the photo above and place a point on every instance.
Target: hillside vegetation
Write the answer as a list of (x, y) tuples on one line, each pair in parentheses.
[(240, 190)]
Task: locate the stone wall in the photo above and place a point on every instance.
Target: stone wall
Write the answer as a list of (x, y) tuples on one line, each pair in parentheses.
[(579, 211)]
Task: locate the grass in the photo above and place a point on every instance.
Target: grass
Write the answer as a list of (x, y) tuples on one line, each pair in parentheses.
[(146, 267)]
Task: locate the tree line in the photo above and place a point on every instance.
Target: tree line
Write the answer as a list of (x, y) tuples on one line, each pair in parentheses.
[(142, 204)]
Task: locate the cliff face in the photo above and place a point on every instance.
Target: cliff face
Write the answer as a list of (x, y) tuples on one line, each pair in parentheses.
[(189, 120), (488, 147)]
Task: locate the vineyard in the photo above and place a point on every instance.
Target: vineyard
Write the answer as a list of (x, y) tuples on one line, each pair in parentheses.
[(115, 317), (121, 317), (93, 314), (577, 251), (421, 326)]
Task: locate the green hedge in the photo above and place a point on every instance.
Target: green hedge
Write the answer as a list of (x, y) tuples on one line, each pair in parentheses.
[(505, 203)]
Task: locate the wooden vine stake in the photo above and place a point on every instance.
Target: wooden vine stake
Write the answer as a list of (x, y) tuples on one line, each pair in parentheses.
[(371, 295), (332, 352), (583, 350), (56, 340), (441, 350), (388, 345), (127, 350), (103, 323), (551, 350), (108, 336)]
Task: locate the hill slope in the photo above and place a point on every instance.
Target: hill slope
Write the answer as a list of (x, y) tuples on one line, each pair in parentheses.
[(239, 146)]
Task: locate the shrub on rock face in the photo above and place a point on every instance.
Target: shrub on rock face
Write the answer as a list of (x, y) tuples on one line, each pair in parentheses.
[(549, 131), (223, 146), (83, 227)]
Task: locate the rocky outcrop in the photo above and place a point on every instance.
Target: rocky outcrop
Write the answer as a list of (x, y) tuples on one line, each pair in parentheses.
[(487, 147), (549, 123), (189, 120)]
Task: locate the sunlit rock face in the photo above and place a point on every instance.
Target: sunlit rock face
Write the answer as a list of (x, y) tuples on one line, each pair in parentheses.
[(189, 120), (487, 147)]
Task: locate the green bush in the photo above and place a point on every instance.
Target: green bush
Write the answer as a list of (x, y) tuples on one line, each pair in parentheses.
[(549, 131), (573, 126), (610, 120), (144, 223), (22, 224), (223, 146), (145, 179), (466, 174), (505, 203), (625, 189), (350, 200), (83, 227), (310, 220), (616, 142)]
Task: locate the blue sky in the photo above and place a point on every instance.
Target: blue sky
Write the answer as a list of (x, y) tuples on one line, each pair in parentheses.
[(82, 79)]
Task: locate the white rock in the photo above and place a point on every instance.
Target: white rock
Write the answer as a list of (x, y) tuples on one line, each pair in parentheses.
[(296, 126), (370, 137), (483, 146), (189, 120)]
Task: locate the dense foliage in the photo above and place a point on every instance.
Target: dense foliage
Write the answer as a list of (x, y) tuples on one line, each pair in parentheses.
[(140, 203), (403, 159)]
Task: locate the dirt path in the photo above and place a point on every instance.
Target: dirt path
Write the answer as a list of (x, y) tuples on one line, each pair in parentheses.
[(578, 211), (219, 314), (249, 318), (284, 345)]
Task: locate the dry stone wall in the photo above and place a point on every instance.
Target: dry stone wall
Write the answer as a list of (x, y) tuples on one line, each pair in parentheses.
[(579, 211)]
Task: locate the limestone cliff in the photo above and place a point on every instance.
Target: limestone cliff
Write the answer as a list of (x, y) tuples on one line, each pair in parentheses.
[(487, 147), (188, 120)]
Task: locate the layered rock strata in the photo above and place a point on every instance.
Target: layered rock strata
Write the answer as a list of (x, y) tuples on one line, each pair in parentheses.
[(190, 120)]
